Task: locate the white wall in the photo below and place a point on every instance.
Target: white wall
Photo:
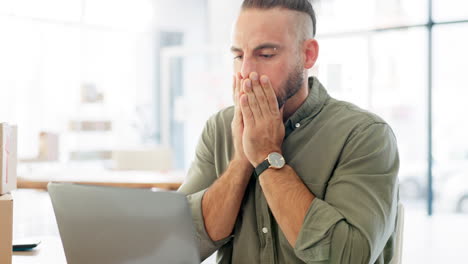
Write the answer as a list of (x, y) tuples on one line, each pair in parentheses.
[(221, 17)]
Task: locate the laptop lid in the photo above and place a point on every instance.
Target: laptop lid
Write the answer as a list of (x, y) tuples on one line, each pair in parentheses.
[(112, 225)]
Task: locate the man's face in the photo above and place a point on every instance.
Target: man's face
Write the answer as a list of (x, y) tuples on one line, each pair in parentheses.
[(264, 42)]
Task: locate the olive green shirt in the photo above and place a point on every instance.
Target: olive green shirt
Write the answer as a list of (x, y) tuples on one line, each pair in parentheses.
[(346, 156)]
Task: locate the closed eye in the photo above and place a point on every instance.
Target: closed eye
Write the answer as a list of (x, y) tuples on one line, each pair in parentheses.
[(267, 56)]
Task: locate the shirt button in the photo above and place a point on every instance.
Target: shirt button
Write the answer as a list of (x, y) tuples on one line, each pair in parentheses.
[(265, 230), (298, 125)]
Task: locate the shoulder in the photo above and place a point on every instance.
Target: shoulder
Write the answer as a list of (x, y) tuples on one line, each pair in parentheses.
[(225, 115), (220, 122), (352, 115), (347, 121)]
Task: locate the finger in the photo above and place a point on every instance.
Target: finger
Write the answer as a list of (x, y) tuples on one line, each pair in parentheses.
[(253, 103), (247, 115), (270, 94), (260, 94), (241, 84), (238, 87), (238, 120), (234, 90), (237, 114), (237, 93)]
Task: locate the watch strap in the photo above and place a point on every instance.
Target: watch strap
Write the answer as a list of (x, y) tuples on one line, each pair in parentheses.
[(262, 167)]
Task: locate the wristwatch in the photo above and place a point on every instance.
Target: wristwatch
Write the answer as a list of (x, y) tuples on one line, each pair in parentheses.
[(274, 161)]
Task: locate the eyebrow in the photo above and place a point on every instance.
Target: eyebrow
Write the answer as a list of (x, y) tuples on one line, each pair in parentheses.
[(259, 47)]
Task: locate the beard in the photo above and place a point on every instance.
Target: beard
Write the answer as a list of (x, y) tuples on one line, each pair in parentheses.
[(291, 86)]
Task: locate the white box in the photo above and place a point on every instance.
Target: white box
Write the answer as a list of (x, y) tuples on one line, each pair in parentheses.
[(6, 228), (48, 146), (155, 159), (8, 157)]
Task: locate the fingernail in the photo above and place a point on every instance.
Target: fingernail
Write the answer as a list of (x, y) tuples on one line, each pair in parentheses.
[(254, 76), (248, 83), (264, 79)]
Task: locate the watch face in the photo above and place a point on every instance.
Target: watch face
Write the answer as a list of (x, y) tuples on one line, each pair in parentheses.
[(276, 160)]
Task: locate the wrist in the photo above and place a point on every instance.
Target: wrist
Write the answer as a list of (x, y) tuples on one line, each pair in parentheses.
[(273, 176), (241, 171), (242, 165), (274, 160), (264, 156)]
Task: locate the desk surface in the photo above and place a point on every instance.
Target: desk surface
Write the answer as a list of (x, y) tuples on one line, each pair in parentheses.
[(50, 251), (33, 218), (37, 176)]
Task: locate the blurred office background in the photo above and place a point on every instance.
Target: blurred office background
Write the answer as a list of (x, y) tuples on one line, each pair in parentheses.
[(93, 83)]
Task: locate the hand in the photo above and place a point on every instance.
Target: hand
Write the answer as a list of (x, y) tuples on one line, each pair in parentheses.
[(262, 119), (237, 125)]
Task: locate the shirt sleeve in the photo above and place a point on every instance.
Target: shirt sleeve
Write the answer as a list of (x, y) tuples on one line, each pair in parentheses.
[(201, 175), (357, 215)]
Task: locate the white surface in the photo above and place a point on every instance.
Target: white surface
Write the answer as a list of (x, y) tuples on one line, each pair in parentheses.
[(93, 173)]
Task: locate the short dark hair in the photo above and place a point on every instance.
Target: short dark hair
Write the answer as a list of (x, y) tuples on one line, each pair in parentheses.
[(297, 5)]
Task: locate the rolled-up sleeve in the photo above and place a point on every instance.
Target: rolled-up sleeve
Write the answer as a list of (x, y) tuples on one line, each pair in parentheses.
[(206, 246), (200, 176), (357, 215)]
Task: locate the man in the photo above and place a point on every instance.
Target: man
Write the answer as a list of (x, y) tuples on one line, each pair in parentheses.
[(289, 174)]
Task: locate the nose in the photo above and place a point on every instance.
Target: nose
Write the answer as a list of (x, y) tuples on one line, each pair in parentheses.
[(248, 66)]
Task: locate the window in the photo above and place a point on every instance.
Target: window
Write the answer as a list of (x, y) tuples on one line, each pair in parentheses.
[(134, 15), (450, 127), (450, 10), (49, 10), (49, 56), (343, 68), (392, 45), (399, 95), (338, 16)]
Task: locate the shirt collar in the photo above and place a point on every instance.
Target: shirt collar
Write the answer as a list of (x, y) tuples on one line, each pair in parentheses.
[(312, 105)]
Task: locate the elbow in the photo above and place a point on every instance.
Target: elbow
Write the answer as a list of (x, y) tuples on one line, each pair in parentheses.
[(350, 245)]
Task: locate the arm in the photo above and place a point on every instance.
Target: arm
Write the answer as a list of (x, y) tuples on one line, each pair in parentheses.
[(221, 202), (216, 202), (356, 219), (290, 208)]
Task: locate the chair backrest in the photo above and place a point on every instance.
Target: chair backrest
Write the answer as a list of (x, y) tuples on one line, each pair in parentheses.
[(397, 253)]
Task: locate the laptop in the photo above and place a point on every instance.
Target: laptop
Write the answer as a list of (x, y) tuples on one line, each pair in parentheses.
[(111, 225)]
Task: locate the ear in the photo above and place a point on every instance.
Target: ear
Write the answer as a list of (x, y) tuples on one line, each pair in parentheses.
[(311, 50)]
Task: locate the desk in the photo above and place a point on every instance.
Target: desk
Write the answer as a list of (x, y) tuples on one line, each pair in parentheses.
[(33, 217), (33, 213), (37, 176), (37, 184), (50, 251)]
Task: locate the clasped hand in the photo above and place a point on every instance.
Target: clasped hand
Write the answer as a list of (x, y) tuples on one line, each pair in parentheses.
[(257, 126)]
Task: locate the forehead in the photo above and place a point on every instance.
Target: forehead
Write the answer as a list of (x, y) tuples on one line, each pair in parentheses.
[(256, 26)]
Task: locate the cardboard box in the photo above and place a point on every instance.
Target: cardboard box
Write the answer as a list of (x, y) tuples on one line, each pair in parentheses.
[(8, 157), (6, 228)]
